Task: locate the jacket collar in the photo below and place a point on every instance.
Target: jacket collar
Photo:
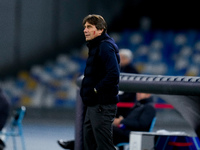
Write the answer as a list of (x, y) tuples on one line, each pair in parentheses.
[(94, 42)]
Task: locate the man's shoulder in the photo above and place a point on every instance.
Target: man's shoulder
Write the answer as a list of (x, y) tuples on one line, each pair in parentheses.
[(105, 43), (108, 44)]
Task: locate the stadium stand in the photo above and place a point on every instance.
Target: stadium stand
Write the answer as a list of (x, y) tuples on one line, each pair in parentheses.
[(156, 52), (163, 52)]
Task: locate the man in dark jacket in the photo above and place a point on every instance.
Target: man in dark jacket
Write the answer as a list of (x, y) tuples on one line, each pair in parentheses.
[(138, 119), (99, 88)]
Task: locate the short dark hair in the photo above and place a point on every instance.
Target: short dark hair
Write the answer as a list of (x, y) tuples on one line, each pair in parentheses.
[(96, 20)]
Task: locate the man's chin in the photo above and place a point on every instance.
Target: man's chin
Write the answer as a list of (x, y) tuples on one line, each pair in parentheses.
[(87, 39)]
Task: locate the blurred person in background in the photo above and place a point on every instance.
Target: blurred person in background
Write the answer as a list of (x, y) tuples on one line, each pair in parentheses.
[(138, 119), (126, 66), (126, 59), (4, 113)]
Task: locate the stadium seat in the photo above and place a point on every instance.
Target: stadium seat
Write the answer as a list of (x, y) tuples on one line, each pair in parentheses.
[(15, 128)]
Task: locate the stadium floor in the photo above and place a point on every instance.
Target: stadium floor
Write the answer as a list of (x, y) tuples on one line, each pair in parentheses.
[(43, 127)]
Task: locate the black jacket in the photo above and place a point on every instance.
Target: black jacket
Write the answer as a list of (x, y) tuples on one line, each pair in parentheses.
[(140, 116), (102, 72)]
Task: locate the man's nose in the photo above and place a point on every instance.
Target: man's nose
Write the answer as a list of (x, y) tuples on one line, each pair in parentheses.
[(85, 30)]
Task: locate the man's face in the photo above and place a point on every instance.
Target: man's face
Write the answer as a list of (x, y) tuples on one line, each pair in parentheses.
[(91, 32), (141, 96), (124, 60)]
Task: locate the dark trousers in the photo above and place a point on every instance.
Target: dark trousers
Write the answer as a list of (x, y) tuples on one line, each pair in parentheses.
[(98, 127)]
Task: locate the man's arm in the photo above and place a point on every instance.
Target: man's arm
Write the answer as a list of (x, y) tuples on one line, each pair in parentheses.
[(108, 57), (143, 122)]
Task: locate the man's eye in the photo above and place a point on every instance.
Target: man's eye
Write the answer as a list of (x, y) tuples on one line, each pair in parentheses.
[(89, 26)]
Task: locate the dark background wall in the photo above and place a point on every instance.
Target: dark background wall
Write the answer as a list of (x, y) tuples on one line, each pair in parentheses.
[(33, 31), (164, 14)]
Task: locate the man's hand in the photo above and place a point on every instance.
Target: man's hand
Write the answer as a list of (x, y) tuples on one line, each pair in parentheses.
[(117, 121)]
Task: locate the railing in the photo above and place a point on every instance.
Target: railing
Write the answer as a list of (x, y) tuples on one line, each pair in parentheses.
[(182, 92), (158, 84)]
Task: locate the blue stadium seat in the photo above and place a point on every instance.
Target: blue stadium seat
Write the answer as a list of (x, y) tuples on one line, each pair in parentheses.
[(15, 128)]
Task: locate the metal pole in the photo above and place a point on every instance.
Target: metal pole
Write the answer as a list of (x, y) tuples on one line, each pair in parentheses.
[(80, 114)]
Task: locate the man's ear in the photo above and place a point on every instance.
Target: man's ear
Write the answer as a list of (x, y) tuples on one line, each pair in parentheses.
[(101, 30)]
